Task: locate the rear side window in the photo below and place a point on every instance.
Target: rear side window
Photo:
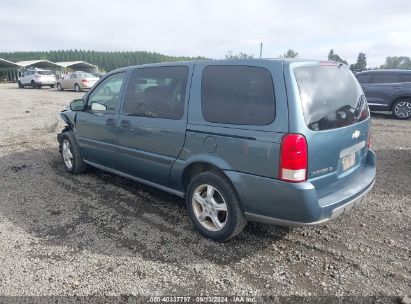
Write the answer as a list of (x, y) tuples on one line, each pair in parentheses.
[(239, 95), (385, 78), (364, 78), (330, 96), (157, 92), (45, 72), (405, 78)]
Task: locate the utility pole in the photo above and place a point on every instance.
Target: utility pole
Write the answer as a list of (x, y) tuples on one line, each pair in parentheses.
[(261, 49)]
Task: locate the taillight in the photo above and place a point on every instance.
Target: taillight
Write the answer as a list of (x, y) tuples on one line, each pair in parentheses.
[(293, 158), (84, 80)]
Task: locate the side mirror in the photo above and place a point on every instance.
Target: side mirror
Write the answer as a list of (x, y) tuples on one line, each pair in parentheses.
[(77, 105), (95, 106)]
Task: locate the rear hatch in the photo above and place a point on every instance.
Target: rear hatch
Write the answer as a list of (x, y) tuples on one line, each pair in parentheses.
[(337, 123), (45, 76)]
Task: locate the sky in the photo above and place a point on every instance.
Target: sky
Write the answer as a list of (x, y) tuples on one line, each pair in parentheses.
[(211, 28)]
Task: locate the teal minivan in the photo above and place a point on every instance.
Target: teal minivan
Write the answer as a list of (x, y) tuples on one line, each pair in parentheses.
[(276, 141)]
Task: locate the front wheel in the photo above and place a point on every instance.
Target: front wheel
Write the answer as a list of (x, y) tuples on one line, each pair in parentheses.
[(34, 85), (59, 87), (52, 86), (402, 108), (70, 153), (214, 207), (20, 84)]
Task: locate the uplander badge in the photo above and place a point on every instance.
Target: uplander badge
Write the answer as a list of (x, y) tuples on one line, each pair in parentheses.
[(321, 171), (356, 134)]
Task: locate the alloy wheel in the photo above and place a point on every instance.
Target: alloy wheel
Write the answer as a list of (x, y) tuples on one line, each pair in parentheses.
[(210, 208), (403, 109), (67, 155)]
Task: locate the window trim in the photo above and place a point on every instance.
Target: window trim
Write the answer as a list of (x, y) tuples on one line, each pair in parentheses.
[(88, 109), (186, 95), (233, 124)]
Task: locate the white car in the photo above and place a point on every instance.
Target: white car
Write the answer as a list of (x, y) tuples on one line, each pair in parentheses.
[(76, 81), (37, 78)]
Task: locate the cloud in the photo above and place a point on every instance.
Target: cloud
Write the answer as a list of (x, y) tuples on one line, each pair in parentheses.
[(211, 27)]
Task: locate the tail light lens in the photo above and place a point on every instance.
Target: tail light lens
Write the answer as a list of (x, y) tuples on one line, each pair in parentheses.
[(84, 80), (293, 158)]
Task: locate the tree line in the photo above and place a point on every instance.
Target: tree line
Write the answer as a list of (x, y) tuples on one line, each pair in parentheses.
[(394, 62), (112, 60), (106, 60)]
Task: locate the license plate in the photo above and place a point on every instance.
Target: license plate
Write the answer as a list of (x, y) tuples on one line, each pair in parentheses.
[(348, 161)]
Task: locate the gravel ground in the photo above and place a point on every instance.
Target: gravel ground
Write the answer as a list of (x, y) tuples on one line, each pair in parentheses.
[(97, 233)]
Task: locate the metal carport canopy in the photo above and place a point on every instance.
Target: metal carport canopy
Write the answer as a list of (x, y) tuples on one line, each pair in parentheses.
[(8, 64), (78, 65), (42, 63)]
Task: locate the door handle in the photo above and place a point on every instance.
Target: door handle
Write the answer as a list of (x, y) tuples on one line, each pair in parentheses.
[(111, 122), (126, 124), (396, 87)]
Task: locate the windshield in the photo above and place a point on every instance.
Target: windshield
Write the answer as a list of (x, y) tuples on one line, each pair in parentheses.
[(44, 72), (330, 96)]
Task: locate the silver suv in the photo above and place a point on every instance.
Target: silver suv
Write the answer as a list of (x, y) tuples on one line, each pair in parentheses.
[(37, 78)]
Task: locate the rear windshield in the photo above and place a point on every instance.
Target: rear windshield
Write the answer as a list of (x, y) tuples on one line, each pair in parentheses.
[(86, 75), (330, 96), (44, 72)]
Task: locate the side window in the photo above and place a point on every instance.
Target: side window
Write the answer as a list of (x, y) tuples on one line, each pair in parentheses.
[(106, 95), (405, 78), (240, 95), (73, 76), (157, 92), (385, 78), (364, 78)]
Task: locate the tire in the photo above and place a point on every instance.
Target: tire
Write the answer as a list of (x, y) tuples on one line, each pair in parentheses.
[(20, 84), (401, 108), (77, 88), (34, 85), (59, 87), (231, 221), (71, 155), (52, 86)]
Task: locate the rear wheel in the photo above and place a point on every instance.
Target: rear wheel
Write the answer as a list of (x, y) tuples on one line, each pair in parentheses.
[(34, 85), (214, 207), (402, 108), (77, 88), (20, 84), (52, 86), (59, 87), (70, 153)]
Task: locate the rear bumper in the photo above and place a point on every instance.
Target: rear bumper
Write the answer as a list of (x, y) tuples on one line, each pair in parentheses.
[(86, 87), (298, 204)]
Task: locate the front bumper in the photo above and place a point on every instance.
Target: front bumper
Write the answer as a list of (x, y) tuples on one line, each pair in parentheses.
[(298, 204)]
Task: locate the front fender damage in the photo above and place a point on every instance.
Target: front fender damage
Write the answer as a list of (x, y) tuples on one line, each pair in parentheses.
[(69, 118)]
